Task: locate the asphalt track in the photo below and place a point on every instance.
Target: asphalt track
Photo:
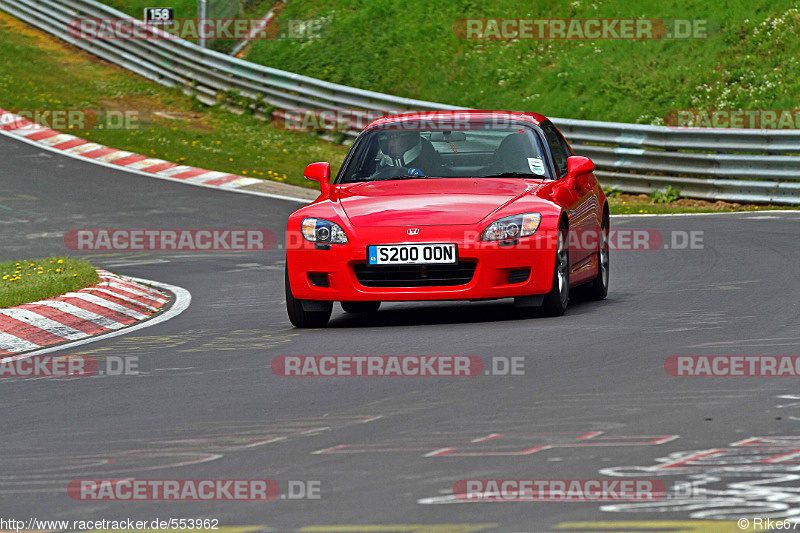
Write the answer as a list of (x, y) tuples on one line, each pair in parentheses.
[(207, 405)]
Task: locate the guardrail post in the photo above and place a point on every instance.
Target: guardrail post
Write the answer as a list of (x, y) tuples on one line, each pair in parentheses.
[(202, 14)]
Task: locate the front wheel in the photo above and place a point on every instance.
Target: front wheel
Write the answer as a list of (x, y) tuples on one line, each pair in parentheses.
[(360, 307), (598, 288), (556, 301), (299, 317)]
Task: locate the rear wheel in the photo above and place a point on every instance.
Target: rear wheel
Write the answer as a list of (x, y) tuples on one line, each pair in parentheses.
[(556, 301), (360, 307), (598, 288), (301, 318)]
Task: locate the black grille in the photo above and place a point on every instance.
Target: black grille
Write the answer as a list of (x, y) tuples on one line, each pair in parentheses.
[(318, 279), (415, 275), (518, 276)]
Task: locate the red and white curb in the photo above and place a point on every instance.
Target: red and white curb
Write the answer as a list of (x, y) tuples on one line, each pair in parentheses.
[(115, 302), (75, 146)]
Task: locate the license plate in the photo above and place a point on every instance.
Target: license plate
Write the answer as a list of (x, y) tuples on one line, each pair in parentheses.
[(412, 254)]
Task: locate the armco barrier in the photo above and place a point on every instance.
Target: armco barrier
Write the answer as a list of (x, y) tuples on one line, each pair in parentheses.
[(713, 164)]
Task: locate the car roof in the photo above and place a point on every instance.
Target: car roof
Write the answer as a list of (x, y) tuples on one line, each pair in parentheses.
[(460, 114)]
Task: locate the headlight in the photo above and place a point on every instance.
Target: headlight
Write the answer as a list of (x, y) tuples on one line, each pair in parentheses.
[(512, 227), (321, 230)]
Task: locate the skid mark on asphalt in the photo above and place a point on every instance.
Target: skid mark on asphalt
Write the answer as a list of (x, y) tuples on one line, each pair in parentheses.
[(173, 448), (196, 341), (754, 343), (759, 477), (503, 444)]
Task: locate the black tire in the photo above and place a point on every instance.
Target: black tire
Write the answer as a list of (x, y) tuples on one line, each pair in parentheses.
[(557, 300), (598, 288), (360, 307), (301, 318)]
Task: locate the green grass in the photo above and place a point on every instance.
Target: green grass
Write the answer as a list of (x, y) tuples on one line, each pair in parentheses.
[(36, 279), (40, 72), (409, 49)]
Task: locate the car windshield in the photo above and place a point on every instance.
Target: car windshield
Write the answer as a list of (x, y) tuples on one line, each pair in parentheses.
[(396, 153)]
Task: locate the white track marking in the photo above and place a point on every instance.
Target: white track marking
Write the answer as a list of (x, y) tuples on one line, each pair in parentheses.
[(57, 139), (102, 302), (113, 156), (81, 149), (166, 177), (83, 314), (133, 290), (42, 322), (15, 344), (182, 300), (125, 298)]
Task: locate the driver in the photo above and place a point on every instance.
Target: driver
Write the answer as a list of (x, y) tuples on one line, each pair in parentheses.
[(401, 149), (409, 150)]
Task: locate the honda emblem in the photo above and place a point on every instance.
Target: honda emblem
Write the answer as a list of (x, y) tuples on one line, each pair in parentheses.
[(413, 231)]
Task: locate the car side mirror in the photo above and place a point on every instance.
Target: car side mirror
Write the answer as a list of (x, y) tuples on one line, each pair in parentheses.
[(578, 166), (319, 172)]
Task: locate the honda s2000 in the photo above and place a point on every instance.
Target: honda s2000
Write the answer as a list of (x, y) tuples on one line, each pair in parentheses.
[(449, 206)]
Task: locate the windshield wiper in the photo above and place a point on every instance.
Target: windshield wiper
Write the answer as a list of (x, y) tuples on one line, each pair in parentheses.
[(510, 175), (405, 177)]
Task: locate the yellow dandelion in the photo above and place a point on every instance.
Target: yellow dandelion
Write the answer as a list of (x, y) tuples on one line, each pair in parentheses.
[(60, 261)]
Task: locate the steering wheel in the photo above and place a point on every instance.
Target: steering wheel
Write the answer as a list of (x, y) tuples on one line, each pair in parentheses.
[(389, 172)]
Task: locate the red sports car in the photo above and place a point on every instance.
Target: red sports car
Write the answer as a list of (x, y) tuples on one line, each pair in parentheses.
[(456, 205)]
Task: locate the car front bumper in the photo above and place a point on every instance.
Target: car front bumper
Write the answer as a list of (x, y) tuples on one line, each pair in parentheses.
[(309, 267)]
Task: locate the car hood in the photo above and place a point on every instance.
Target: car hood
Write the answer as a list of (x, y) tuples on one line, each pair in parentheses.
[(429, 202)]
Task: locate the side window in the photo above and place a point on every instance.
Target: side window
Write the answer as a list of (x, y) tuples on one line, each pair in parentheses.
[(557, 148)]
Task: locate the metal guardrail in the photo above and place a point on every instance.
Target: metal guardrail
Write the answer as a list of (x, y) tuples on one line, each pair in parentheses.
[(714, 164)]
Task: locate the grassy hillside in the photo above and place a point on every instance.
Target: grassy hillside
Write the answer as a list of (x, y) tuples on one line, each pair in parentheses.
[(41, 72), (409, 49)]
